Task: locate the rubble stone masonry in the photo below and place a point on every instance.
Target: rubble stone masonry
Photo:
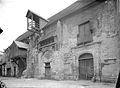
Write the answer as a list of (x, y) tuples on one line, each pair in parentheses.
[(64, 62)]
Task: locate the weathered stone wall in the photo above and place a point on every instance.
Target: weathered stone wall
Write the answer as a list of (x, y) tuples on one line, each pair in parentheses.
[(102, 18), (104, 48), (56, 64), (32, 58)]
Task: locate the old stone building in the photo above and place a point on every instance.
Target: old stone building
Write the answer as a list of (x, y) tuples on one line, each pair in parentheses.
[(79, 42)]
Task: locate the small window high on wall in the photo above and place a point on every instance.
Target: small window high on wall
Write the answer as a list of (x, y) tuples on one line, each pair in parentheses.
[(84, 34)]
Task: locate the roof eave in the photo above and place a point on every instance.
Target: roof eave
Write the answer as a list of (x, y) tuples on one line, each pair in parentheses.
[(29, 11), (49, 23)]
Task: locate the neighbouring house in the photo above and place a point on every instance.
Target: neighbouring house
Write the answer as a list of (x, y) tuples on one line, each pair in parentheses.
[(15, 59), (15, 55), (79, 42), (18, 56)]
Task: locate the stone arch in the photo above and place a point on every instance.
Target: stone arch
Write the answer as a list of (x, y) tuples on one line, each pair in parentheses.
[(86, 66), (46, 60), (84, 52), (44, 52), (47, 54), (84, 55)]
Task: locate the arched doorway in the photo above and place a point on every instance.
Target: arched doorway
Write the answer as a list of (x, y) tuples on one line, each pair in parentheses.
[(86, 66), (47, 54)]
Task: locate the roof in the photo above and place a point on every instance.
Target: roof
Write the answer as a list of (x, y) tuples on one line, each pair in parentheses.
[(21, 45), (35, 16), (24, 35), (70, 9), (79, 4)]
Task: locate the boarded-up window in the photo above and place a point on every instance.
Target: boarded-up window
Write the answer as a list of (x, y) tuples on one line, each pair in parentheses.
[(85, 34)]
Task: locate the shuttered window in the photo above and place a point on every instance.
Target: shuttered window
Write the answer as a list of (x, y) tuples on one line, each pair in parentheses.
[(85, 34)]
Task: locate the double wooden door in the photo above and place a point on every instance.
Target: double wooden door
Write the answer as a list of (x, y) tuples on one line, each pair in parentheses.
[(86, 69)]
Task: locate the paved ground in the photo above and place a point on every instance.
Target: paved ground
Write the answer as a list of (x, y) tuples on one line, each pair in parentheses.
[(35, 83)]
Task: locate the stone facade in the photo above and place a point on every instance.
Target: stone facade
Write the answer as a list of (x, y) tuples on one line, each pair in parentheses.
[(60, 59)]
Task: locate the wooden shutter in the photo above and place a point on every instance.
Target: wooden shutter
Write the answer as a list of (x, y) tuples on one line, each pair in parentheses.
[(81, 34), (87, 33)]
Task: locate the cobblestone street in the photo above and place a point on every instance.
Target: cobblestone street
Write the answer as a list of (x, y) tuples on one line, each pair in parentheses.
[(35, 83)]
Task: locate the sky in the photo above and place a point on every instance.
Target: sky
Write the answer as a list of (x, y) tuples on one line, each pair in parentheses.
[(13, 12)]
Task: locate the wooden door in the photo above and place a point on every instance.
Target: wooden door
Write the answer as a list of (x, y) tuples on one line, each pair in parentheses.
[(82, 69), (86, 69), (89, 69), (14, 72), (47, 71)]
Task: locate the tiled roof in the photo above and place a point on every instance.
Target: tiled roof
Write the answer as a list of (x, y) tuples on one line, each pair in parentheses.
[(24, 35), (65, 12), (21, 45), (70, 9)]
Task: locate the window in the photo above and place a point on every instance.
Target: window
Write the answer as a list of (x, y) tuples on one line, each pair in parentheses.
[(85, 33), (47, 41), (47, 64)]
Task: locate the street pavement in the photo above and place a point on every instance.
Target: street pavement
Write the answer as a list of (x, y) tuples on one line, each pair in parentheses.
[(36, 83)]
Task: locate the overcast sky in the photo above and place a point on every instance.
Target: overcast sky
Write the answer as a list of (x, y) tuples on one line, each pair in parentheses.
[(13, 12)]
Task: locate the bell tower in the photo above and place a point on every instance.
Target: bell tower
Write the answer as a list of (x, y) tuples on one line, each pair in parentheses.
[(35, 22)]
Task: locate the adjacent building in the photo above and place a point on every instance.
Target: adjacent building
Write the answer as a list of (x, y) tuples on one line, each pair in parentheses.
[(14, 62)]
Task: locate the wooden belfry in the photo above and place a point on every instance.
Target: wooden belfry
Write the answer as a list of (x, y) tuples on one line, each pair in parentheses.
[(35, 22)]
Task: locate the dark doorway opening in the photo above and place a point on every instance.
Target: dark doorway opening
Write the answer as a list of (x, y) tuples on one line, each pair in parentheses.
[(21, 65), (8, 72)]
